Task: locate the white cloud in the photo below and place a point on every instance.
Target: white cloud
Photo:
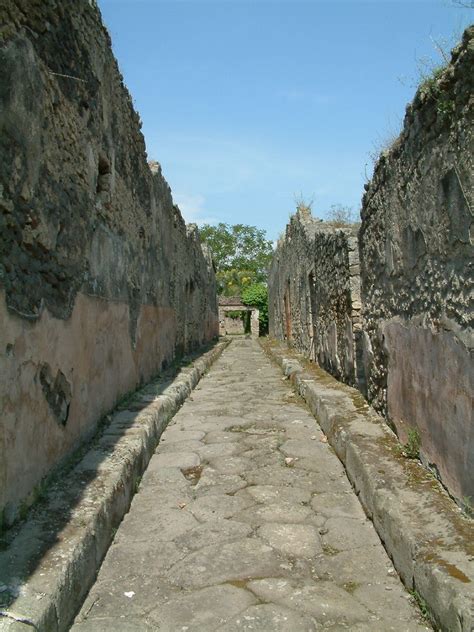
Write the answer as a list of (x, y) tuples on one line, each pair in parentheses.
[(192, 208)]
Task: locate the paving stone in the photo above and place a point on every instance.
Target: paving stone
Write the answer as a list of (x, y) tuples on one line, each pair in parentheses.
[(220, 436), (130, 596), (264, 457), (207, 534), (346, 567), (328, 465), (343, 505), (175, 433), (219, 563), (231, 465), (160, 526), (189, 445), (137, 557), (204, 609), (183, 460), (214, 506), (270, 618), (157, 495), (167, 477), (245, 520), (214, 450), (387, 604), (327, 603), (275, 493), (302, 448), (386, 625), (279, 475), (281, 511), (349, 534), (298, 540), (117, 625), (214, 481)]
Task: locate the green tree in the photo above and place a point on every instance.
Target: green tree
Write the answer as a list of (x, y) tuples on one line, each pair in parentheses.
[(239, 248), (232, 282), (257, 296), (242, 256)]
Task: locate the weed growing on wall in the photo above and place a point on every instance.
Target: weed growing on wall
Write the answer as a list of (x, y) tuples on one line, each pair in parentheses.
[(341, 216), (468, 506), (411, 449), (422, 605), (431, 86)]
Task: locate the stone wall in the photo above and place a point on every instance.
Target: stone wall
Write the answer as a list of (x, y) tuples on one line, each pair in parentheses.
[(314, 293), (413, 357), (101, 282), (417, 274)]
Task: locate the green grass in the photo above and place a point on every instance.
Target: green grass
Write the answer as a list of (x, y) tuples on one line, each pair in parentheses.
[(421, 603), (411, 449)]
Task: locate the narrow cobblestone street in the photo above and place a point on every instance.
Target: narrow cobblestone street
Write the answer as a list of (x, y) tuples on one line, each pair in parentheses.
[(245, 520)]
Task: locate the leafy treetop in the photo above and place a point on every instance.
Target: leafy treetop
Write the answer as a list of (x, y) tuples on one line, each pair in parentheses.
[(239, 248)]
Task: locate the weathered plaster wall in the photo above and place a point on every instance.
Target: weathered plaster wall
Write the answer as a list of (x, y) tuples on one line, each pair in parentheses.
[(101, 282), (314, 293), (417, 274)]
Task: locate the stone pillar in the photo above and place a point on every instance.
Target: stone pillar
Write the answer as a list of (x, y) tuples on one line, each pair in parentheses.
[(222, 331), (254, 326)]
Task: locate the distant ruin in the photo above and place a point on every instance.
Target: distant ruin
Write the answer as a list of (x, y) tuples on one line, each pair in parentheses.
[(101, 282), (236, 318), (314, 294), (402, 330)]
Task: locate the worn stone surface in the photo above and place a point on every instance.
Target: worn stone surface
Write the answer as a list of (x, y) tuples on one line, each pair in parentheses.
[(101, 282), (248, 545), (424, 531), (417, 272), (314, 293)]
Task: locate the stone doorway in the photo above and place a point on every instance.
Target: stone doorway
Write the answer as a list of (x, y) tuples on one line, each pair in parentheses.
[(236, 319)]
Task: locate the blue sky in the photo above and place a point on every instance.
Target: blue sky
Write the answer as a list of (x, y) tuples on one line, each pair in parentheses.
[(249, 104)]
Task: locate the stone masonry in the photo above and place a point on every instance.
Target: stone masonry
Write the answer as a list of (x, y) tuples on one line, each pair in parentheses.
[(245, 520), (101, 282), (417, 274), (410, 348), (314, 293)]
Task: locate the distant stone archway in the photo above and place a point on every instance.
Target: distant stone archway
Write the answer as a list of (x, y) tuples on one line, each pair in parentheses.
[(236, 326)]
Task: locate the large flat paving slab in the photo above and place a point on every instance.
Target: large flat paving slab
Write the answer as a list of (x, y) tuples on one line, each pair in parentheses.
[(245, 520)]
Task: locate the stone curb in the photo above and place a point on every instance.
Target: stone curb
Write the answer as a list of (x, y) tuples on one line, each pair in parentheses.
[(429, 540), (59, 549)]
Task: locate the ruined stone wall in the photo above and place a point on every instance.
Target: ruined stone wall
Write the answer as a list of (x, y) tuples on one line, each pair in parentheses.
[(101, 282), (314, 293), (417, 274), (228, 325)]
